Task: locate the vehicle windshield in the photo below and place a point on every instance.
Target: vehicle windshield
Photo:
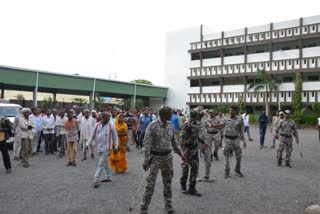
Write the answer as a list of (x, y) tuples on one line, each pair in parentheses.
[(9, 111)]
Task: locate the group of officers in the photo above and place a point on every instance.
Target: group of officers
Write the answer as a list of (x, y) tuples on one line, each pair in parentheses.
[(201, 133)]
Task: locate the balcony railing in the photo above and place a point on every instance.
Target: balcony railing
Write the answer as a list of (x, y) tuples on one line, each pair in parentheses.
[(251, 97), (312, 63), (257, 37)]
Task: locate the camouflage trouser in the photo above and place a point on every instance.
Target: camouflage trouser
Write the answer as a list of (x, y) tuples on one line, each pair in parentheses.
[(193, 164), (164, 164), (207, 157), (229, 145), (216, 138), (284, 143)]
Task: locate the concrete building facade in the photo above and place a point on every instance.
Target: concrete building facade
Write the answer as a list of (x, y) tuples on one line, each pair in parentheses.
[(221, 65)]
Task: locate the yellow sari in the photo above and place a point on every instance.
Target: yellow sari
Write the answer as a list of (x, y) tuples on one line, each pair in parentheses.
[(118, 160)]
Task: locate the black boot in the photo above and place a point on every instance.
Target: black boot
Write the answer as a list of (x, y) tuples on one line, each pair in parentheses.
[(279, 162), (192, 190), (227, 174), (237, 169), (211, 157), (215, 154), (184, 188), (169, 209), (288, 164)]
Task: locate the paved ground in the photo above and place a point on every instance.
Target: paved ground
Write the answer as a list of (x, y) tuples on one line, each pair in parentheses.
[(50, 187)]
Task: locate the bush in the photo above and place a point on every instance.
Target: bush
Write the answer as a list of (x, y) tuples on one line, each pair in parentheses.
[(310, 120), (253, 117)]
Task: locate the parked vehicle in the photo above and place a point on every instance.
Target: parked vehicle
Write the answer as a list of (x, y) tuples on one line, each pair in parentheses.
[(10, 111)]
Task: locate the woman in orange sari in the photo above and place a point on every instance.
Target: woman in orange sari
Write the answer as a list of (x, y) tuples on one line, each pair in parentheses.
[(118, 160)]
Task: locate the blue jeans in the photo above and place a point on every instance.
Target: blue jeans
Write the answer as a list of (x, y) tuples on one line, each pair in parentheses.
[(103, 164), (262, 134), (247, 129)]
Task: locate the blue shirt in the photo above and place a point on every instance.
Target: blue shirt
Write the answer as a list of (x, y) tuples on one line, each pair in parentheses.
[(144, 122), (175, 121), (263, 120)]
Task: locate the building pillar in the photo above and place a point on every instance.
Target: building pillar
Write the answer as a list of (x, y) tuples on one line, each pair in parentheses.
[(2, 92), (34, 96), (91, 100)]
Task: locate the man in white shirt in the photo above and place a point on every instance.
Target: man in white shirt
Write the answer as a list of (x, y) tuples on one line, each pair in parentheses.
[(61, 133), (48, 125), (245, 117), (86, 126), (36, 119)]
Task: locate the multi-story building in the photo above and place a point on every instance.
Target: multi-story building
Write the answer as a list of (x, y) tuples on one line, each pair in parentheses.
[(223, 64)]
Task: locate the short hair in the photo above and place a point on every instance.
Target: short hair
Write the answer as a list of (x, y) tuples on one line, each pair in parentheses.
[(145, 108), (164, 110), (127, 109), (105, 113), (70, 111)]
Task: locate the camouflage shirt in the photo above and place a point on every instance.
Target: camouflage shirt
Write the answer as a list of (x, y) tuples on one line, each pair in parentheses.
[(287, 128), (234, 127), (193, 133), (160, 137), (215, 121)]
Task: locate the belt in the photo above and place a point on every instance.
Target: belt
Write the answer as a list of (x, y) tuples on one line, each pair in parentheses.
[(213, 132), (160, 153), (285, 135), (231, 137)]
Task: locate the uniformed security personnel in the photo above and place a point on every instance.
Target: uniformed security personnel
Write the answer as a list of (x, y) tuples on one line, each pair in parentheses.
[(214, 132), (159, 142), (232, 134), (192, 134), (286, 129)]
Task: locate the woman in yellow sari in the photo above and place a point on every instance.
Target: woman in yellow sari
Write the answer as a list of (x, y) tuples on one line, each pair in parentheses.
[(118, 160)]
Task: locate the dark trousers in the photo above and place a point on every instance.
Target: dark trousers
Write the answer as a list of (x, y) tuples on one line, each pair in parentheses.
[(55, 141), (40, 140), (192, 166), (262, 134), (5, 154), (48, 142), (140, 139)]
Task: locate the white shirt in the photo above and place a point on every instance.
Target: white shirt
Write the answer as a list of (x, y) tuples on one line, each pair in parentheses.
[(37, 122), (245, 119), (86, 127), (48, 122), (319, 121), (60, 123)]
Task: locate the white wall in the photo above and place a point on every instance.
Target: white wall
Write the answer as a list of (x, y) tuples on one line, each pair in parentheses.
[(286, 87), (310, 86), (259, 57), (211, 89), (286, 24), (194, 63), (194, 90), (233, 88), (310, 52), (290, 54), (233, 60), (211, 62), (177, 65)]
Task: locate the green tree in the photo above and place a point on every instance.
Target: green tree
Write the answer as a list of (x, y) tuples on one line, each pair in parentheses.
[(142, 81), (79, 101), (47, 103), (224, 108), (297, 99), (242, 105), (316, 109), (268, 83)]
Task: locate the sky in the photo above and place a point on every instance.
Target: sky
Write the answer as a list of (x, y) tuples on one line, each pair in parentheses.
[(122, 40)]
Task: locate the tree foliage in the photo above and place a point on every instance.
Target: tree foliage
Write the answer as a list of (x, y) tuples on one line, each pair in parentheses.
[(265, 82), (242, 105), (142, 81), (224, 108), (297, 99)]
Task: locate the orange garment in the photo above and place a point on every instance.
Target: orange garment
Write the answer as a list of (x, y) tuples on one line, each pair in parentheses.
[(67, 126), (118, 160)]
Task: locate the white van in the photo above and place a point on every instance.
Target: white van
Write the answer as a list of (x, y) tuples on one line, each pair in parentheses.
[(10, 111)]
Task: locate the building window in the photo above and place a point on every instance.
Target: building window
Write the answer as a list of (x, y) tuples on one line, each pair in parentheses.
[(249, 66), (275, 63), (289, 31), (312, 61), (313, 28), (297, 62), (268, 64), (255, 65), (305, 29), (289, 62), (281, 94), (274, 95), (304, 94), (289, 94), (312, 94), (305, 61), (282, 63), (282, 32), (297, 30), (313, 78)]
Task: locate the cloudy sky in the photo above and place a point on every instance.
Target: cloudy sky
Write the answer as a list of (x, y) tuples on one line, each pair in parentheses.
[(122, 40)]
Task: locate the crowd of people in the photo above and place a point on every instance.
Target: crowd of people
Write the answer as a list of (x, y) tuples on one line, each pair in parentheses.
[(111, 134)]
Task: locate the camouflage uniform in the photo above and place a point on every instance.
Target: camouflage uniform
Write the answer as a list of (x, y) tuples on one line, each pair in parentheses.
[(233, 133), (286, 128), (191, 135), (204, 124), (214, 135), (158, 143)]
